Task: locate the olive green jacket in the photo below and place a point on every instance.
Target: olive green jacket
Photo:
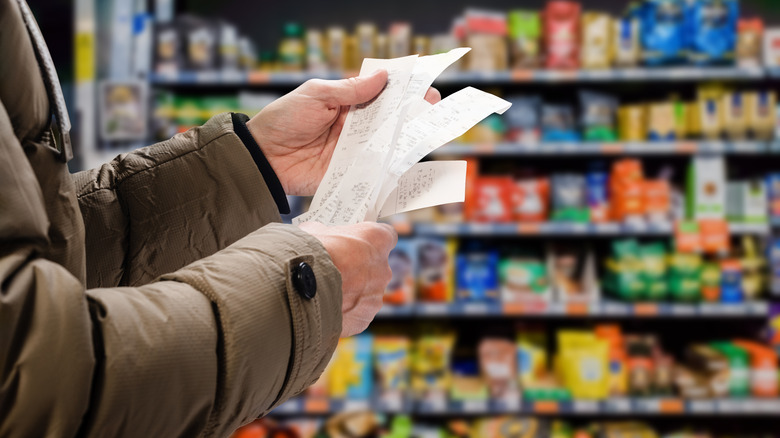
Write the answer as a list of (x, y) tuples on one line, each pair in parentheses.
[(150, 297)]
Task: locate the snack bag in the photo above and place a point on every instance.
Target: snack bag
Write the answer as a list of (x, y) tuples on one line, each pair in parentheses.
[(351, 373), (632, 120), (711, 111), (523, 119), (403, 263), (531, 356), (558, 123), (597, 188), (435, 258), (661, 120), (494, 199), (584, 364), (596, 51), (626, 47), (711, 30), (624, 278), (626, 190), (477, 277), (525, 34), (568, 198), (753, 265), (685, 277), (391, 366), (531, 200), (653, 257), (524, 279), (735, 116), (761, 114), (498, 367), (657, 199), (749, 41), (598, 116), (561, 34), (431, 361), (710, 282), (663, 31)]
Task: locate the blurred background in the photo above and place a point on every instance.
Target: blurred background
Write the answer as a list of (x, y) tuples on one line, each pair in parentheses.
[(612, 271)]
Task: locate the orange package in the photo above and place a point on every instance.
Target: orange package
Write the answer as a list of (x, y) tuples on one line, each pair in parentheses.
[(494, 199), (626, 189), (714, 235), (531, 200), (472, 175), (657, 197)]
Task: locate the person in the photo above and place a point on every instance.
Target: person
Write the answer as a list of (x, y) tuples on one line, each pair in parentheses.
[(158, 295)]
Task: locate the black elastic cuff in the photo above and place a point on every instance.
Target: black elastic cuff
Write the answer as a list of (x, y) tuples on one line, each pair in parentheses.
[(271, 180)]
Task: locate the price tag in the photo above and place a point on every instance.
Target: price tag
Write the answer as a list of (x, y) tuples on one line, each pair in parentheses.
[(356, 405), (702, 406), (391, 403), (514, 309), (579, 309), (546, 407), (522, 75), (529, 228), (607, 229), (475, 406), (671, 406), (432, 309), (619, 405), (259, 77), (685, 147), (438, 404), (758, 308), (612, 148), (476, 309), (289, 407), (709, 308), (645, 309), (649, 405), (508, 405), (316, 406), (233, 76), (586, 406), (682, 309), (730, 406), (616, 309), (733, 309)]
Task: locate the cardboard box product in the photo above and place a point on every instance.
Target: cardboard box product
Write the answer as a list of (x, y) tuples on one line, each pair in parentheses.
[(707, 188), (747, 201), (772, 47)]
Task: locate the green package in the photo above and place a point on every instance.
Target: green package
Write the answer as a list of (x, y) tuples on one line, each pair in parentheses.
[(624, 277), (739, 368), (525, 32), (685, 277), (653, 257)]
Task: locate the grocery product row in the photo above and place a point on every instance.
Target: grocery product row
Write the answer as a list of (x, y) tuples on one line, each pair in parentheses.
[(576, 371), (365, 425), (563, 35), (531, 278)]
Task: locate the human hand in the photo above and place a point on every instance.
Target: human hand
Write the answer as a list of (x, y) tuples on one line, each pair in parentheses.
[(360, 253), (298, 132)]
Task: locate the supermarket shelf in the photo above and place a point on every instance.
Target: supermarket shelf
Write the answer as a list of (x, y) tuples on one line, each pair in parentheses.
[(565, 229), (616, 407), (216, 78), (608, 309), (617, 148)]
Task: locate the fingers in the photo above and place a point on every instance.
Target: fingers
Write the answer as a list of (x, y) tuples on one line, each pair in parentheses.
[(433, 96), (350, 91)]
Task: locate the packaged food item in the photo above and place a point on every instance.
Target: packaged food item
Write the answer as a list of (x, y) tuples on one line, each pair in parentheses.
[(624, 271), (681, 120), (626, 48), (421, 45), (403, 263), (435, 258), (597, 193), (626, 185), (711, 112), (632, 120), (315, 51), (711, 364), (714, 236), (558, 123), (639, 365), (510, 426), (584, 364), (383, 46), (763, 369), (292, 49), (685, 277), (229, 52), (366, 41), (738, 368), (391, 366), (494, 199), (477, 276), (337, 49), (352, 62), (596, 51), (598, 116), (531, 356), (562, 34), (663, 39), (351, 374), (498, 366), (524, 279), (657, 200), (573, 273), (431, 359), (661, 121), (247, 54), (200, 43), (749, 42), (711, 30), (400, 39), (654, 267), (735, 116), (618, 371), (523, 119), (773, 193), (663, 376), (569, 202), (710, 282), (486, 33), (761, 114), (168, 50), (772, 47), (491, 130), (746, 201), (531, 200), (753, 265), (525, 34), (731, 281), (707, 188), (773, 254)]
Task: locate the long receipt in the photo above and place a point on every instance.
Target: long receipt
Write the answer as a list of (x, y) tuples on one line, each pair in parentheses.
[(375, 170)]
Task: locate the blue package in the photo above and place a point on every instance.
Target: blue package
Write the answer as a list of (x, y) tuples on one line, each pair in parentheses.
[(663, 31), (596, 183), (360, 351), (477, 276), (558, 123), (731, 285), (711, 30), (773, 193)]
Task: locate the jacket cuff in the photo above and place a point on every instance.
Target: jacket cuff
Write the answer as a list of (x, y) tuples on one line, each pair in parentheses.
[(270, 177), (274, 342)]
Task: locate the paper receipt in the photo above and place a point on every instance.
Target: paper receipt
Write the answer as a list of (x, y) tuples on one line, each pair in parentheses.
[(374, 171)]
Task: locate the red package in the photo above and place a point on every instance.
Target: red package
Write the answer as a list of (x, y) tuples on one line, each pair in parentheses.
[(472, 177), (531, 199), (494, 199), (562, 34), (626, 189)]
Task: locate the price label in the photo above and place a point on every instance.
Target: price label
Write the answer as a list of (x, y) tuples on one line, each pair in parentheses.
[(438, 404), (619, 406), (435, 309), (546, 407), (483, 229), (577, 309), (649, 406), (476, 309), (616, 309), (730, 406), (586, 406), (529, 228), (522, 75), (709, 309), (259, 77), (288, 407), (393, 403), (514, 309), (475, 406), (316, 406), (356, 405), (612, 148), (645, 309), (702, 406), (682, 309), (508, 405), (671, 406), (757, 308)]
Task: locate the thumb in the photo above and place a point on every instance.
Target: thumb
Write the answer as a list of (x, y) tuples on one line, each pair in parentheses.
[(353, 91)]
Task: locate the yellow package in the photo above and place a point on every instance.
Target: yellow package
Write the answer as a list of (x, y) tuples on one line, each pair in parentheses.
[(694, 121), (391, 362), (567, 340), (531, 357), (584, 364), (632, 123), (596, 52), (431, 364), (710, 110), (336, 49), (735, 117), (661, 124), (761, 114), (366, 41), (626, 48)]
